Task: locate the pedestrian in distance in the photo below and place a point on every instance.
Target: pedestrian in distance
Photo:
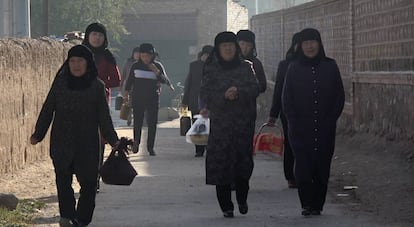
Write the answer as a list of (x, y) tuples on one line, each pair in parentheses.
[(247, 43), (228, 94), (76, 106), (192, 88), (145, 79), (312, 101), (125, 73), (97, 41), (276, 111)]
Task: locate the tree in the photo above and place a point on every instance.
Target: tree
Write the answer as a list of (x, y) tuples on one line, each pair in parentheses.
[(75, 15)]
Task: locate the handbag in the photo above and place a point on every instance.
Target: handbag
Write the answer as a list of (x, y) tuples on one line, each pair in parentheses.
[(125, 111), (268, 141), (118, 102), (117, 170), (185, 121), (199, 131)]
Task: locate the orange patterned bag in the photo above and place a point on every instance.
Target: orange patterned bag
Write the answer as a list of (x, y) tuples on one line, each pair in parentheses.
[(269, 141)]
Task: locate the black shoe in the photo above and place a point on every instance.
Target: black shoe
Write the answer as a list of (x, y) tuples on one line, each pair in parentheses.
[(243, 208), (315, 212), (151, 152), (135, 148), (306, 212), (228, 214), (199, 154)]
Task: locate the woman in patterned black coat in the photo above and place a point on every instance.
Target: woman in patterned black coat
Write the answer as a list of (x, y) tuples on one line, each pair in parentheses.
[(313, 99), (77, 105), (229, 90)]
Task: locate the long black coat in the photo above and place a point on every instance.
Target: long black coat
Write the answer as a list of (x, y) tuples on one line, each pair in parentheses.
[(313, 100), (230, 144), (77, 117), (192, 85)]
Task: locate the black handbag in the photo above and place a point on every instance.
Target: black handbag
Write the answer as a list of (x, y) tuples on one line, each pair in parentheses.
[(185, 125), (117, 170)]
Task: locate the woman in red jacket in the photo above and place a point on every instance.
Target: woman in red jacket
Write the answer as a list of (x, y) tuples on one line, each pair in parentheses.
[(108, 71)]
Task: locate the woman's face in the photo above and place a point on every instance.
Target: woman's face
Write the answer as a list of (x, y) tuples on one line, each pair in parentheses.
[(136, 56), (78, 66), (227, 51), (310, 48), (96, 39), (146, 58), (246, 47)]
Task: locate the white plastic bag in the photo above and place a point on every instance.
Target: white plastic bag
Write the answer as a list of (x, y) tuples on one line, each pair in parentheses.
[(199, 131)]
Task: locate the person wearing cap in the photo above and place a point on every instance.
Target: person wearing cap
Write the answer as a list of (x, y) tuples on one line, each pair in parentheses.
[(228, 94), (247, 43), (192, 88), (312, 99), (76, 106), (276, 111), (97, 41), (145, 77)]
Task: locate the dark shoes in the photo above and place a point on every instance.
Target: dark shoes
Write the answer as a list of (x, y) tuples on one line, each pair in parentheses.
[(199, 154), (310, 211), (243, 208), (228, 214), (151, 152), (135, 148), (292, 184)]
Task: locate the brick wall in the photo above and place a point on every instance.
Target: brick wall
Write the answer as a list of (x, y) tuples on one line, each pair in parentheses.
[(373, 44), (27, 69)]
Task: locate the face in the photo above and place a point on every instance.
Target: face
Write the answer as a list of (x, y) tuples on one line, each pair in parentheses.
[(96, 39), (310, 48), (227, 51), (136, 56), (246, 47), (78, 66), (146, 58)]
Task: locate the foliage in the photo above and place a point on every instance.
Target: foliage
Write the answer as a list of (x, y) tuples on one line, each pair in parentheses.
[(23, 215), (75, 15)]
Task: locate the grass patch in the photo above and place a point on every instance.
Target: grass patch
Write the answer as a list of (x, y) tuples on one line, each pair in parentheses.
[(23, 215)]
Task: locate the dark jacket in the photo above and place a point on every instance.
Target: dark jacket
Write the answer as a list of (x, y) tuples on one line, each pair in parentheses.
[(125, 72), (192, 85), (230, 143), (77, 115), (276, 108), (260, 74)]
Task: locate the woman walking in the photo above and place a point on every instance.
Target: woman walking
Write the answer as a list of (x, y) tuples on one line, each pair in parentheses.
[(313, 100), (228, 92), (77, 105)]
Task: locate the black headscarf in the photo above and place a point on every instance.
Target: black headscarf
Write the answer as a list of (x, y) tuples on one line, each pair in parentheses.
[(311, 34), (225, 37), (248, 36), (102, 50), (83, 82), (291, 53), (135, 50)]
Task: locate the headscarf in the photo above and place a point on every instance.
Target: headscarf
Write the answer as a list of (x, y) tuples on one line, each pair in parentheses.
[(225, 37), (83, 82), (102, 50), (311, 34), (291, 53), (135, 50), (248, 36)]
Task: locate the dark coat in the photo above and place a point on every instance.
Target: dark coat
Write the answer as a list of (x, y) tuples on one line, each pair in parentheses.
[(276, 108), (192, 86), (230, 144), (260, 74), (313, 100), (77, 116)]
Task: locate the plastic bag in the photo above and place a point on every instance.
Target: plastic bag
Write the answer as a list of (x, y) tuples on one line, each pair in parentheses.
[(199, 131)]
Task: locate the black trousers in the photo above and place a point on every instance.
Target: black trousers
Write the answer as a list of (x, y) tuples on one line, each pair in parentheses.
[(312, 194), (67, 204), (150, 107), (288, 157), (224, 194)]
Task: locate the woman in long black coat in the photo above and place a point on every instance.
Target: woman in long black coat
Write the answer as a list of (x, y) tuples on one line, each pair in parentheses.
[(276, 111), (77, 105), (313, 100), (229, 90)]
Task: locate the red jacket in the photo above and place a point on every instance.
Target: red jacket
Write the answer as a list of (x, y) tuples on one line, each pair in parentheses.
[(108, 72)]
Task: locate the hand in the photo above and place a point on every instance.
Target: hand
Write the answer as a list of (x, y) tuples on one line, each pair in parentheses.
[(231, 93), (116, 145), (33, 140), (271, 121), (154, 68), (172, 87), (204, 112), (126, 97)]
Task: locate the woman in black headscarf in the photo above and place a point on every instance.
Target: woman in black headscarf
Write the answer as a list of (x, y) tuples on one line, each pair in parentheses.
[(228, 92), (313, 99), (77, 105), (276, 110)]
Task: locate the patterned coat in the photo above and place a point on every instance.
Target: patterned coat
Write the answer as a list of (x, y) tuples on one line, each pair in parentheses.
[(77, 115), (230, 145)]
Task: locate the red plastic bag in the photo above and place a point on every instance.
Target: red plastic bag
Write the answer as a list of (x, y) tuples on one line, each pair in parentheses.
[(268, 141)]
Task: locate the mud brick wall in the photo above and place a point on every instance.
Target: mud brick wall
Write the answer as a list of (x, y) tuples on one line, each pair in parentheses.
[(27, 68), (373, 43)]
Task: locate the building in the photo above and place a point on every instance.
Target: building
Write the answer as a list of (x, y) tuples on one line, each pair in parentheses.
[(14, 18)]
